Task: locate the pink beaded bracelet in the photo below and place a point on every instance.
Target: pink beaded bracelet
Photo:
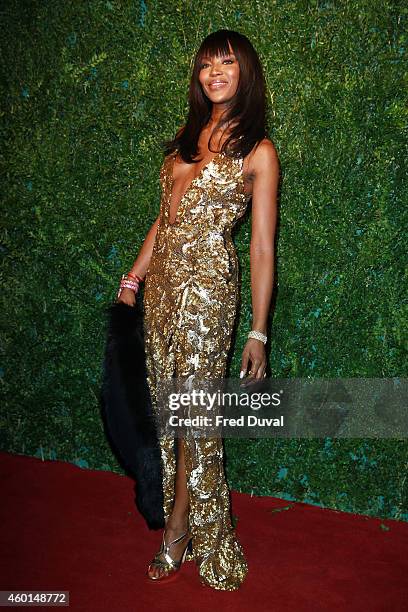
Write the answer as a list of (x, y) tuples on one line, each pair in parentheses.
[(127, 283)]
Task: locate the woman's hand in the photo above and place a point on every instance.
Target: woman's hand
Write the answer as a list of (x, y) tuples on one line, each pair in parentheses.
[(255, 355), (127, 296)]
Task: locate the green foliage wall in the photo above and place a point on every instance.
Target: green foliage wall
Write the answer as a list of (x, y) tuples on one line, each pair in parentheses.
[(91, 89)]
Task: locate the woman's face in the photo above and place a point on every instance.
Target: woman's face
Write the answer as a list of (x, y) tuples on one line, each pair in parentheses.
[(219, 77)]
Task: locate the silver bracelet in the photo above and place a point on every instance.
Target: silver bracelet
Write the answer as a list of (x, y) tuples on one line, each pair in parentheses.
[(258, 335)]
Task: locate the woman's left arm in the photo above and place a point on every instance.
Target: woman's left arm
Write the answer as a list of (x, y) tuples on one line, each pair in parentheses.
[(264, 168)]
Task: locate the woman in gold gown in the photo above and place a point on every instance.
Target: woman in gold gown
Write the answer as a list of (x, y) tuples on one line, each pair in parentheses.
[(215, 164)]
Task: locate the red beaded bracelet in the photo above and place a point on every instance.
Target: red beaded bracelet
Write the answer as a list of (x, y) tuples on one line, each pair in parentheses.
[(135, 276)]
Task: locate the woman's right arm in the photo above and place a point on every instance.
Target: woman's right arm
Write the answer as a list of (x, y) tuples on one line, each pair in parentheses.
[(141, 263)]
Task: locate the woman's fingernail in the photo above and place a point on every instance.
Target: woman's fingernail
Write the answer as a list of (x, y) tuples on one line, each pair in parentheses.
[(241, 374)]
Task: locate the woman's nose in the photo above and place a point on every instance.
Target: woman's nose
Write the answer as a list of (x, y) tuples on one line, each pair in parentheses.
[(215, 69)]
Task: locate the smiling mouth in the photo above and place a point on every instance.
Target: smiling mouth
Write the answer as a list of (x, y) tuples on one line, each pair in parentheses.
[(217, 84)]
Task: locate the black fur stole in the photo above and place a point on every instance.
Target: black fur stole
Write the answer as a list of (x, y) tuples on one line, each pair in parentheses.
[(127, 410)]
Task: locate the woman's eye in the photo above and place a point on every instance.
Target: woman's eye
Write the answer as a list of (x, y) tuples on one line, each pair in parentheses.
[(225, 61)]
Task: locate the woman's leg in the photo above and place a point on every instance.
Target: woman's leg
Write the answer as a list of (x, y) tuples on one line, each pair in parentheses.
[(177, 523)]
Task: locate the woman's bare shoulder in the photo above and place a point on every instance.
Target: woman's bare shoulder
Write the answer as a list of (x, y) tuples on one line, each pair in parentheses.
[(263, 157), (265, 153)]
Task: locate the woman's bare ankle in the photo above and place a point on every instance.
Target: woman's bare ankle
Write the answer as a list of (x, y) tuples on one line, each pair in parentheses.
[(177, 523)]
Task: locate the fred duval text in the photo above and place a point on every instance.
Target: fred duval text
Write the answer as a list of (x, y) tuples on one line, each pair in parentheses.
[(249, 420)]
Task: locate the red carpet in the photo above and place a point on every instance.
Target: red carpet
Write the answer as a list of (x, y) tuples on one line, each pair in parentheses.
[(67, 528)]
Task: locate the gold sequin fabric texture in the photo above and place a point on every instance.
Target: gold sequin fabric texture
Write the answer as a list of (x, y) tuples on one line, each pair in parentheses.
[(190, 304)]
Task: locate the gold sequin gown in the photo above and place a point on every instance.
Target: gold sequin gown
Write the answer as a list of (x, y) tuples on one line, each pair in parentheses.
[(190, 303)]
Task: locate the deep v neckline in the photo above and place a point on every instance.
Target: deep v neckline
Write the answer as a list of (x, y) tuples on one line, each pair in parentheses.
[(172, 181)]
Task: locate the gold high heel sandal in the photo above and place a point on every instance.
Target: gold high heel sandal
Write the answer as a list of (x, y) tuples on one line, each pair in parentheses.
[(170, 566)]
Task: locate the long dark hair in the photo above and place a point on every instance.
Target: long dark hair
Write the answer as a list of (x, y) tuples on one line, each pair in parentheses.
[(247, 109)]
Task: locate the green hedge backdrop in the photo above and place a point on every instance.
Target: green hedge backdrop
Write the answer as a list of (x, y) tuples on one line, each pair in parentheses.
[(90, 90)]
